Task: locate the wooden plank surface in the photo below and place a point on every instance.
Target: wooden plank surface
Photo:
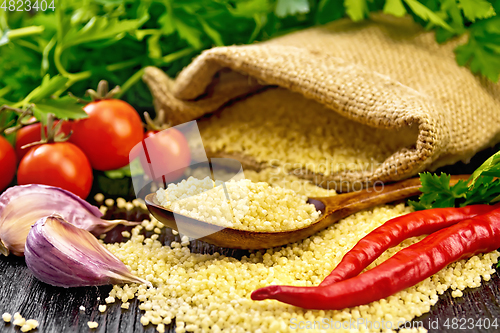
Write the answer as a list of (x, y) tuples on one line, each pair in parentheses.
[(57, 309)]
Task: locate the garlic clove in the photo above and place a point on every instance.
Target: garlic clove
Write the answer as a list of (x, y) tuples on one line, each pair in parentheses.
[(21, 206), (60, 254)]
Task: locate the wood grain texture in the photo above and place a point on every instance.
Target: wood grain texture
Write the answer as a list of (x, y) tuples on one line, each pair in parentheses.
[(57, 309)]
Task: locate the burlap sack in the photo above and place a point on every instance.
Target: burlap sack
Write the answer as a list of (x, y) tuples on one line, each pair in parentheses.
[(386, 73)]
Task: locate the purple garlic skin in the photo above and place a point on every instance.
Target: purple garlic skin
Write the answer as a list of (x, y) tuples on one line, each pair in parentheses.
[(62, 255), (21, 206)]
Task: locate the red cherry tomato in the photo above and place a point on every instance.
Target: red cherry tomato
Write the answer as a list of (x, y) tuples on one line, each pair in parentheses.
[(7, 163), (32, 133), (167, 154), (60, 164), (111, 130)]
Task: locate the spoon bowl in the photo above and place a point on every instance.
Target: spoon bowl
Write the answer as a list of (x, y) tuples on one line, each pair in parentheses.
[(332, 209)]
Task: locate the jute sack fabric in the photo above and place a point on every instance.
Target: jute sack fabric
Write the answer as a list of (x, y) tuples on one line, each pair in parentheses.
[(386, 73)]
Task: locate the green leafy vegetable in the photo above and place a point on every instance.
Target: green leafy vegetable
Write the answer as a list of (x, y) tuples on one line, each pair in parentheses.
[(491, 167), (476, 9), (426, 14), (356, 9), (291, 7), (329, 10), (437, 193), (83, 42), (455, 19), (481, 187), (395, 7), (63, 108), (482, 51)]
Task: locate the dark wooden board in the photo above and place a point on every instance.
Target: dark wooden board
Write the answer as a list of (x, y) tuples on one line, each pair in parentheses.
[(57, 309)]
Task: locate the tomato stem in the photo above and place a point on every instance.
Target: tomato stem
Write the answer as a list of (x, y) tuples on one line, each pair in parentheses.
[(49, 133), (156, 124), (9, 128), (103, 91)]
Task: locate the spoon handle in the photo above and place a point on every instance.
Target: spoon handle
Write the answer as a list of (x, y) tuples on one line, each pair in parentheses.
[(350, 203)]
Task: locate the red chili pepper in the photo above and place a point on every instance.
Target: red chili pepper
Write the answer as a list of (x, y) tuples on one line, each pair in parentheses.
[(396, 230), (406, 268)]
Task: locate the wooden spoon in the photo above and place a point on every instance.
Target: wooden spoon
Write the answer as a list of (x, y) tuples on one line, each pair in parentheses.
[(332, 208)]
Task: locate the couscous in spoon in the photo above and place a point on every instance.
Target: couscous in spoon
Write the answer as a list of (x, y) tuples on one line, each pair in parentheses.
[(332, 210)]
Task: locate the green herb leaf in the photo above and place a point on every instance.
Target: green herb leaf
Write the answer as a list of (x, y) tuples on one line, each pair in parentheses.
[(481, 188), (132, 34), (99, 28), (357, 10), (166, 21), (249, 9), (426, 14), (491, 167), (485, 190), (188, 32), (455, 19), (63, 108), (286, 8), (48, 87), (214, 35), (329, 10), (395, 7), (437, 193), (154, 48), (482, 51), (477, 9)]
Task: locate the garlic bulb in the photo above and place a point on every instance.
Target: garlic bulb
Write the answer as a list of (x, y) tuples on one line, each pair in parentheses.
[(60, 254), (22, 206)]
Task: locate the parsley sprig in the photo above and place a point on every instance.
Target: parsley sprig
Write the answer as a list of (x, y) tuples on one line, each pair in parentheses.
[(482, 187)]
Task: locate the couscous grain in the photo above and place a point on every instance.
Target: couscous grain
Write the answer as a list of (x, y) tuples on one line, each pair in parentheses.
[(29, 325), (7, 317), (121, 203), (99, 197), (318, 140), (19, 321), (92, 324), (240, 204), (211, 292)]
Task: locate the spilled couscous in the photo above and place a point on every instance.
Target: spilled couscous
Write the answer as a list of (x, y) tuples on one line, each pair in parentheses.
[(211, 292)]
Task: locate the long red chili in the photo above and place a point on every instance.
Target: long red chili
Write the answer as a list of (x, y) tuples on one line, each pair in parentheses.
[(396, 230), (406, 268)]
